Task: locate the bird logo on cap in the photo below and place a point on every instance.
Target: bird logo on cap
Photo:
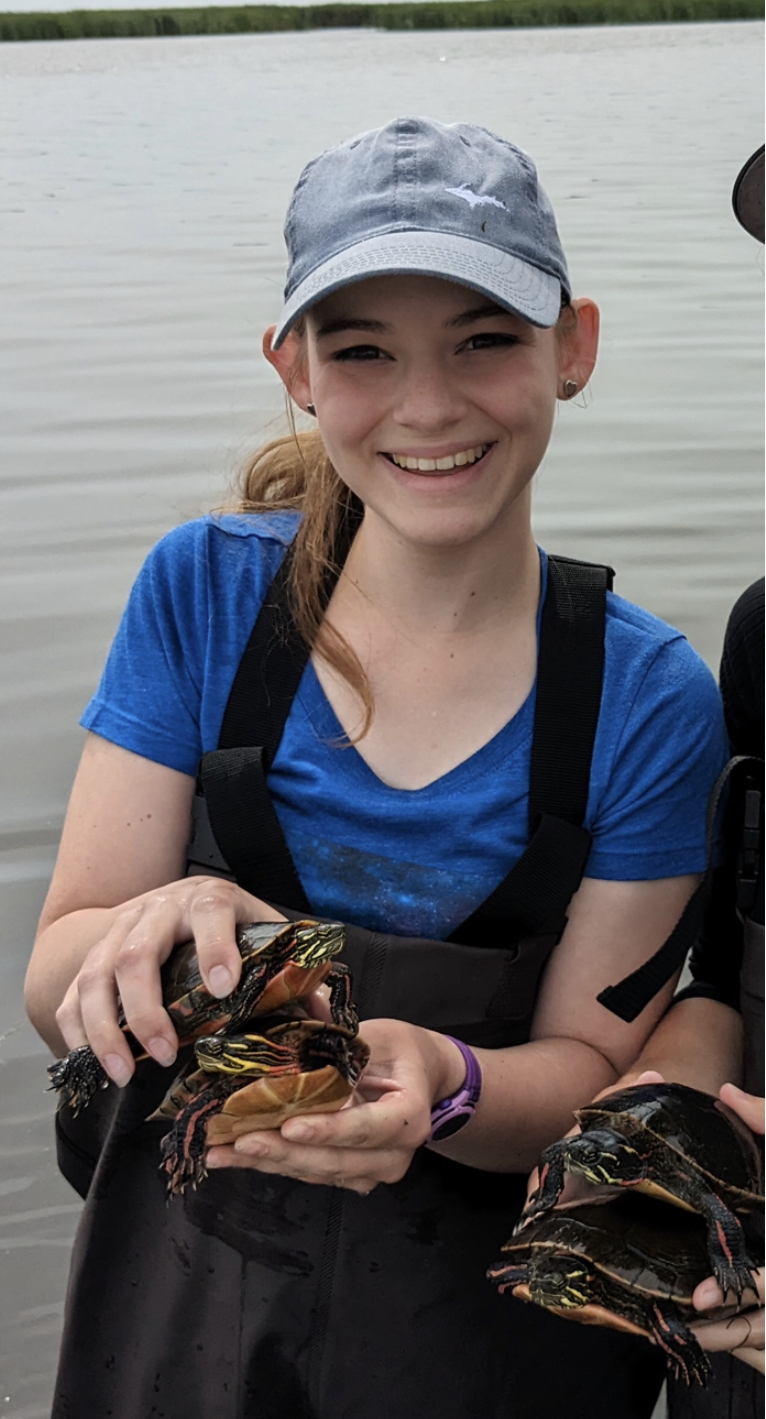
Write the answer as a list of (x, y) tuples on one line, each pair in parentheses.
[(473, 199)]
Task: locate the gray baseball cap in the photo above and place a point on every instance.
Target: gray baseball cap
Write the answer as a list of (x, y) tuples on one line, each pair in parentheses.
[(424, 198)]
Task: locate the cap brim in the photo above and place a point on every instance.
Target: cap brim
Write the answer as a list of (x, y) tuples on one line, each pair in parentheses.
[(533, 294), (747, 197)]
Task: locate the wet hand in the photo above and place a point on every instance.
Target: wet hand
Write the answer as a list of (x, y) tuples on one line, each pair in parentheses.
[(741, 1335), (124, 967), (373, 1138)]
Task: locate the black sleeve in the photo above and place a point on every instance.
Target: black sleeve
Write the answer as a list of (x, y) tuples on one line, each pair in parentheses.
[(742, 673), (717, 956)]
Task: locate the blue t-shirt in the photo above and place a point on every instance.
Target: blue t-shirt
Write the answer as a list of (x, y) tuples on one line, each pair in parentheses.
[(413, 862)]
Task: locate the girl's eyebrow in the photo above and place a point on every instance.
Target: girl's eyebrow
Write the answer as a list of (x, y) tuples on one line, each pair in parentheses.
[(345, 322), (378, 327), (467, 317)]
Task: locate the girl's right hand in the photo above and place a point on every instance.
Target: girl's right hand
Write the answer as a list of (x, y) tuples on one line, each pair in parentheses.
[(124, 966)]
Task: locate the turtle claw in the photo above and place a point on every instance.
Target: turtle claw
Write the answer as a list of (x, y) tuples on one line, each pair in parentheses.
[(549, 1188), (732, 1267), (77, 1077)]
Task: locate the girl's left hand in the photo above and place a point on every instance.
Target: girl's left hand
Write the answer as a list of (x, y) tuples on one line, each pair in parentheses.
[(372, 1139)]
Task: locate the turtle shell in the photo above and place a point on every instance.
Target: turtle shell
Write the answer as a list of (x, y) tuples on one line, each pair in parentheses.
[(324, 1068), (629, 1265), (250, 1082), (695, 1125), (649, 1250)]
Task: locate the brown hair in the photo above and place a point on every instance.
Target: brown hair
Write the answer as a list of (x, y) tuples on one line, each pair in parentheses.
[(295, 472)]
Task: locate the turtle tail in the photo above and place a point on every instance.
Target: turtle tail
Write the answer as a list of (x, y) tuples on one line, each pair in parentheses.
[(77, 1077)]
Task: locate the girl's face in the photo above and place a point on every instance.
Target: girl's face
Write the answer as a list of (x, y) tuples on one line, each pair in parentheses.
[(434, 404)]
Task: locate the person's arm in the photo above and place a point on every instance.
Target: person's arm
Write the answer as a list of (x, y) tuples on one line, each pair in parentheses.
[(698, 1043), (529, 1091), (117, 905)]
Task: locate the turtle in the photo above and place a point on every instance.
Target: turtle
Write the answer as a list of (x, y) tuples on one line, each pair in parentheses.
[(630, 1264), (246, 1082), (282, 961), (674, 1143)]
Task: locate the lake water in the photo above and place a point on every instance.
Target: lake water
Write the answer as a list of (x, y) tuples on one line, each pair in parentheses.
[(140, 220)]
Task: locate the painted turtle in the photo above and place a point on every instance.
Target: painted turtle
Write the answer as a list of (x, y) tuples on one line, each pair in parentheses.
[(248, 1082), (674, 1143), (282, 961), (629, 1265)]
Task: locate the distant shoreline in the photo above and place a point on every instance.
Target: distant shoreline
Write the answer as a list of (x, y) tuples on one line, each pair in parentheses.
[(408, 15)]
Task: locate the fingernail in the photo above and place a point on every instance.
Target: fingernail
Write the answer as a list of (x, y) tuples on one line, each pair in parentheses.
[(162, 1050), (213, 1160), (297, 1132), (221, 982), (117, 1069)]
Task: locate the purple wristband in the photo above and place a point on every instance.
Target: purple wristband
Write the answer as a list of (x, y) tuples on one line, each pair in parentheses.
[(453, 1113)]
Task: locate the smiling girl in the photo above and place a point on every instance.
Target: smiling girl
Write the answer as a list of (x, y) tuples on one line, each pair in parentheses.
[(407, 717)]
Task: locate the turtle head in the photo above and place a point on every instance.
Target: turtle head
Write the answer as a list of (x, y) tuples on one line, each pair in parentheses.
[(560, 1282), (605, 1158), (316, 941), (233, 1055)]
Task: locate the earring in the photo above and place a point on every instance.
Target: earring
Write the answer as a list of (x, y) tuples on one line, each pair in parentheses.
[(570, 389), (311, 410)]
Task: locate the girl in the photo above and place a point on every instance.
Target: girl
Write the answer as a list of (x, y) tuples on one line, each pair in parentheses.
[(408, 718)]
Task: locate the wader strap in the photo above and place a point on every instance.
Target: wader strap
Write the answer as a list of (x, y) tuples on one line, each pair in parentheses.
[(247, 828), (533, 898), (535, 894), (236, 809), (632, 995), (569, 682)]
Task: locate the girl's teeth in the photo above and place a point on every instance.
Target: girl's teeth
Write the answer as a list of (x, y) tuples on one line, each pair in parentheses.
[(442, 465)]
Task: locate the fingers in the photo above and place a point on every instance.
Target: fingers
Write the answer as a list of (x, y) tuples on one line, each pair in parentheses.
[(738, 1334), (229, 1157), (214, 914), (88, 1012), (359, 1171), (356, 1147), (708, 1294), (394, 1119), (749, 1107), (749, 1355), (651, 1076), (124, 968)]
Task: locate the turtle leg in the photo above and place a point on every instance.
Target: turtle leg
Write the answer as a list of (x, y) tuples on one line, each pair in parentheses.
[(508, 1274), (686, 1357), (342, 1011), (183, 1148), (552, 1169), (77, 1077), (732, 1268), (247, 995)]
